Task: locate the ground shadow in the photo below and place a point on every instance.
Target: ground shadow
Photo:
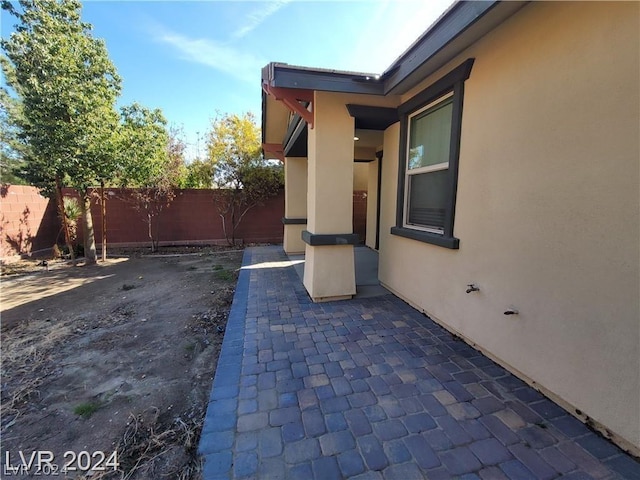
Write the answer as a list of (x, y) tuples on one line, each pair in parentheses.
[(33, 297)]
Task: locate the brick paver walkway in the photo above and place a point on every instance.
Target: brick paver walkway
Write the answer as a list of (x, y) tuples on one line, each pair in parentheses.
[(373, 389)]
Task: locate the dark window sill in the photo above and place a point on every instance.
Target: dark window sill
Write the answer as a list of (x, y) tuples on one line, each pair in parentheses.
[(426, 237)]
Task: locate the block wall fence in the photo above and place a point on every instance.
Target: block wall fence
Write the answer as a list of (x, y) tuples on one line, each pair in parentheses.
[(29, 222)]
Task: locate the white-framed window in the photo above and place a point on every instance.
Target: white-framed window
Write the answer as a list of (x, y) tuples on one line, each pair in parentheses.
[(427, 163)]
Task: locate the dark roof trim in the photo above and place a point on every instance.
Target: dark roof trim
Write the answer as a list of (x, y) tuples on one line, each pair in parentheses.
[(267, 72), (264, 118), (373, 118), (290, 76)]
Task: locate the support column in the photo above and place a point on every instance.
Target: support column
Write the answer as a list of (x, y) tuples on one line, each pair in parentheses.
[(329, 272), (295, 203), (372, 205)]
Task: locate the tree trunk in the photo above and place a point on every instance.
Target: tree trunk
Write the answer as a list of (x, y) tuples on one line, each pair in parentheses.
[(63, 218), (156, 236), (224, 226), (150, 232), (233, 216), (89, 234), (225, 208), (233, 226), (104, 221)]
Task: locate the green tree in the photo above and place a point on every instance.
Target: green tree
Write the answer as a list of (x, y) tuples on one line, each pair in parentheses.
[(143, 140), (199, 171), (238, 167), (176, 148), (152, 163), (68, 87), (199, 174), (12, 150)]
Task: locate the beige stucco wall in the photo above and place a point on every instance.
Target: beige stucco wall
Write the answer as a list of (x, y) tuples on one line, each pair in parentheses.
[(329, 270), (548, 208), (295, 202), (372, 203), (330, 167), (295, 178), (360, 176), (292, 239)]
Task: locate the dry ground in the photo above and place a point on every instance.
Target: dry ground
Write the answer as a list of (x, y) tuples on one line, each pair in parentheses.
[(113, 357)]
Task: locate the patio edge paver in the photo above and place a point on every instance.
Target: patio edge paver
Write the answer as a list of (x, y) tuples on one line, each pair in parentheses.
[(219, 429)]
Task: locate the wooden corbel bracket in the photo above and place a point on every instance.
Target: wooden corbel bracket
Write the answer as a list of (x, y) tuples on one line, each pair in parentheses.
[(274, 149), (293, 98)]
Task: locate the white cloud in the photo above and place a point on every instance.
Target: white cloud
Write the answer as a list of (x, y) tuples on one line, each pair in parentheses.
[(218, 55), (223, 56), (256, 17)]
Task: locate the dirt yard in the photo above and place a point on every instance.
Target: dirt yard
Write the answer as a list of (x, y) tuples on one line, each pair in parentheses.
[(116, 357)]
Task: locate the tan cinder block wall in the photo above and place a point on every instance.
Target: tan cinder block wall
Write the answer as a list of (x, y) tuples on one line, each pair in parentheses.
[(28, 222), (548, 210)]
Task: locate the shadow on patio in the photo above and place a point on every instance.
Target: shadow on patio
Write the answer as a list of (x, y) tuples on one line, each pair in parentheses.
[(366, 267)]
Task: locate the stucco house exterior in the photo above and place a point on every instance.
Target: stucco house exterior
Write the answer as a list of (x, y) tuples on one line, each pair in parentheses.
[(503, 152)]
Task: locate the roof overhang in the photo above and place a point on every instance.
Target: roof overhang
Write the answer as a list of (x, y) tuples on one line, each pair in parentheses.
[(282, 75), (463, 24)]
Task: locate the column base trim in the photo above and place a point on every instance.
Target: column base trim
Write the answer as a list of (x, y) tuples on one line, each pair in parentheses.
[(294, 221), (331, 299), (321, 239)]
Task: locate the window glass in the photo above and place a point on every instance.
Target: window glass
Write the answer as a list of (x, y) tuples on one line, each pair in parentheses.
[(428, 198), (430, 136)]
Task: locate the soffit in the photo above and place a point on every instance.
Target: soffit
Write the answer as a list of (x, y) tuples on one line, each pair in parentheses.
[(368, 138), (372, 117), (275, 120)]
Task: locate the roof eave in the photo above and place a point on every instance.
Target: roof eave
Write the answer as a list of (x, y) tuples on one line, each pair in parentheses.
[(288, 76), (463, 24)]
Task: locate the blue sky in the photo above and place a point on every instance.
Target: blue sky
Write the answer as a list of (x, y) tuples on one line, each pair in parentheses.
[(199, 58)]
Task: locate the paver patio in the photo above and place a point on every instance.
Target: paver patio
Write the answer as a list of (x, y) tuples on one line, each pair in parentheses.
[(373, 389)]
